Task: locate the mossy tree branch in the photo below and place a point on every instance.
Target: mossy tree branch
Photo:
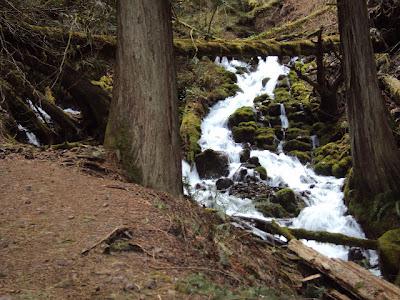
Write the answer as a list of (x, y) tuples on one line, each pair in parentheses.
[(319, 236)]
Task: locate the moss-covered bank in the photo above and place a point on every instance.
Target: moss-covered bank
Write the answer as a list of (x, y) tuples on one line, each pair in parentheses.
[(200, 84)]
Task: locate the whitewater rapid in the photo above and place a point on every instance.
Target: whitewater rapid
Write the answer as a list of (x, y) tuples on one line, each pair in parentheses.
[(325, 207)]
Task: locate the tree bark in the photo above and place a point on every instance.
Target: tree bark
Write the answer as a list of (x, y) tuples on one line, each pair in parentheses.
[(376, 160), (143, 122)]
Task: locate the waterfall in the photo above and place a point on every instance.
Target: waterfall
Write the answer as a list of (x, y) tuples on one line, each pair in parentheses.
[(284, 119), (314, 141), (325, 209), (32, 139)]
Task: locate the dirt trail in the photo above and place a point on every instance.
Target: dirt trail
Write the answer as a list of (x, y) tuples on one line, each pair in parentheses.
[(49, 214), (56, 203)]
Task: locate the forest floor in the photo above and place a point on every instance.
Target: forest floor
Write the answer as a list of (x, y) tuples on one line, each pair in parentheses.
[(53, 207)]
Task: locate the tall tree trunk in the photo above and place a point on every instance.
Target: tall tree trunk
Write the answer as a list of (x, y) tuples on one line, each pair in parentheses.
[(143, 122), (376, 160)]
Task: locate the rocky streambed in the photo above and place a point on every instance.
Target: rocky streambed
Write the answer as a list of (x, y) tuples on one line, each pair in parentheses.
[(257, 149)]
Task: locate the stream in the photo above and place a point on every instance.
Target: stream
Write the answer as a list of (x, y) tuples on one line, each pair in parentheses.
[(325, 209)]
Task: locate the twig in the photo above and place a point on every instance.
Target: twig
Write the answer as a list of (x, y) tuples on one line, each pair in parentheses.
[(112, 234)]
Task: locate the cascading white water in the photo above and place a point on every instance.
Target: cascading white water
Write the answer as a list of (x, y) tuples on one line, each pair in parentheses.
[(32, 139), (325, 208), (284, 119)]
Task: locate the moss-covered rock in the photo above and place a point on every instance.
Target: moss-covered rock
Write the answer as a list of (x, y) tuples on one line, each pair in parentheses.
[(296, 145), (334, 156), (212, 164), (244, 132), (271, 210), (294, 133), (200, 85), (272, 109), (262, 172), (243, 114), (303, 156), (265, 137), (282, 95), (262, 99), (324, 168), (389, 254), (287, 199), (340, 169)]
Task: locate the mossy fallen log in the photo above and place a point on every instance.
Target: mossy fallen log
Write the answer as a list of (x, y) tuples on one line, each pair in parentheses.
[(236, 48), (319, 236), (392, 87)]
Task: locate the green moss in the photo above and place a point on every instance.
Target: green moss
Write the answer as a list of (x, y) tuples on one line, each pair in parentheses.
[(287, 198), (244, 132), (293, 133), (324, 168), (190, 132), (200, 86), (389, 253), (262, 172), (296, 145), (340, 169), (304, 157), (243, 114), (282, 95), (121, 142), (262, 99), (265, 137), (120, 246), (271, 210)]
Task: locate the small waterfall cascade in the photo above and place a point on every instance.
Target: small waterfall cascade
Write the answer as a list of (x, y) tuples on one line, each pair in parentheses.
[(32, 139), (314, 141), (325, 209), (284, 119)]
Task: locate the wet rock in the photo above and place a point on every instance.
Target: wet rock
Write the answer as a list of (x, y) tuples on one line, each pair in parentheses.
[(262, 172), (243, 114), (223, 183), (389, 254), (273, 109), (200, 187), (254, 161), (355, 254), (265, 81), (287, 198), (244, 132), (271, 210), (212, 164), (262, 99), (244, 155), (296, 145), (240, 174), (250, 190)]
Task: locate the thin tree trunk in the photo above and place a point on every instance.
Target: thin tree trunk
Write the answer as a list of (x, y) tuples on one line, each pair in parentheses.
[(143, 122), (376, 160)]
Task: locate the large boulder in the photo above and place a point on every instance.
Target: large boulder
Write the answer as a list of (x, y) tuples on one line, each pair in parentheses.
[(223, 183), (389, 254), (287, 199), (212, 164), (243, 114), (244, 132)]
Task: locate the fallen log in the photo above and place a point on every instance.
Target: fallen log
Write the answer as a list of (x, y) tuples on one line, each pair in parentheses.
[(106, 44), (355, 280), (319, 236)]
